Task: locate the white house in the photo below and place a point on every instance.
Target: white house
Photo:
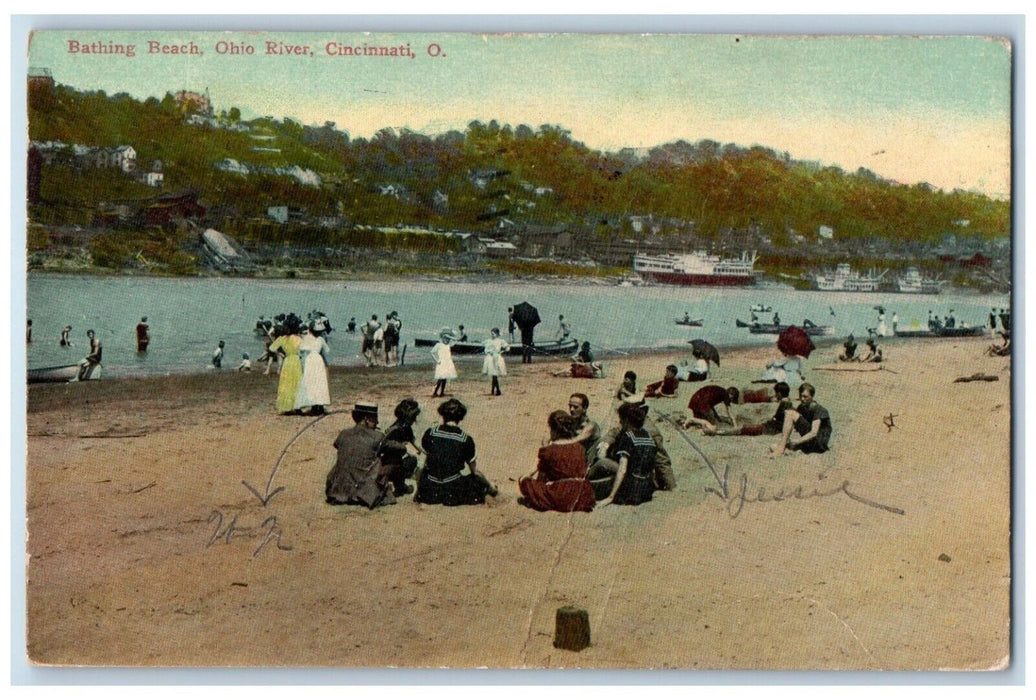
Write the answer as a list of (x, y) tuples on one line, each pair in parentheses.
[(124, 158)]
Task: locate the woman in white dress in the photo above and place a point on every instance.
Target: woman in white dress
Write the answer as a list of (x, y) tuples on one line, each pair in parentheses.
[(313, 392), (443, 358), (788, 368), (494, 364)]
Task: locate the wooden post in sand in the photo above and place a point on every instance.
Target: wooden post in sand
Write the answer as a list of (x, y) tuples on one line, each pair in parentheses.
[(571, 628)]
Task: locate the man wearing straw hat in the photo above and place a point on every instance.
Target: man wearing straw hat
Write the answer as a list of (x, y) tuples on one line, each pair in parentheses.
[(354, 478)]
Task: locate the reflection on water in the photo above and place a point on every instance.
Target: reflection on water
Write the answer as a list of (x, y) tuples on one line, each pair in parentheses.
[(189, 316)]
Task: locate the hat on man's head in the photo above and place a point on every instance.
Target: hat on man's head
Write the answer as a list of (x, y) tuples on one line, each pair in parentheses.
[(366, 408)]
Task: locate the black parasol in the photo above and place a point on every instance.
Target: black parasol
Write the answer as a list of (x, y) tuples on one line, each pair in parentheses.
[(704, 350), (795, 341), (526, 316)]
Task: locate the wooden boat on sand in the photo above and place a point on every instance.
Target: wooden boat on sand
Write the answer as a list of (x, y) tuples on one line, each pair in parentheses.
[(59, 374), (550, 347), (955, 332)]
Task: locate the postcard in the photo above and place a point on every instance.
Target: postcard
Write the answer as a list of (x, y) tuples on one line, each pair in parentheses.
[(518, 350)]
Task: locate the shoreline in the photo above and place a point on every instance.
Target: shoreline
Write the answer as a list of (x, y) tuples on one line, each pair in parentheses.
[(474, 276), (678, 354)]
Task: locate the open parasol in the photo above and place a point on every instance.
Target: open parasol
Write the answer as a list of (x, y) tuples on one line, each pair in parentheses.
[(704, 350), (525, 315), (795, 341)]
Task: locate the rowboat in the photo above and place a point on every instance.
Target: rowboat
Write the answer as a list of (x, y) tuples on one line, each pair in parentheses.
[(550, 347), (59, 374), (955, 332), (689, 321), (775, 329)]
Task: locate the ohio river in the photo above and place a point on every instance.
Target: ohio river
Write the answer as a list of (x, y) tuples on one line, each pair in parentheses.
[(189, 316)]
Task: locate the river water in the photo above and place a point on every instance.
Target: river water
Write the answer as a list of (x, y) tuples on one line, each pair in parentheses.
[(189, 316)]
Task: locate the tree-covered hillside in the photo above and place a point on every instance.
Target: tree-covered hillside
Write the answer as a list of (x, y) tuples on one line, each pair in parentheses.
[(472, 180)]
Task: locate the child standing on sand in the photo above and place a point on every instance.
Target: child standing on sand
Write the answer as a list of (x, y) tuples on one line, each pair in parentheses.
[(494, 364), (443, 358)]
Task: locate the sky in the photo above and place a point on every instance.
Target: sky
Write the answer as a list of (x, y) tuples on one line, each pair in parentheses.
[(933, 109)]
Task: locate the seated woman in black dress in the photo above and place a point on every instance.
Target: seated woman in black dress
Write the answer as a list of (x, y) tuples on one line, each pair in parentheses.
[(449, 476), (635, 452)]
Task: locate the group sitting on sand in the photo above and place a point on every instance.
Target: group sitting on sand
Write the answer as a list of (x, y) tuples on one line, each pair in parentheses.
[(577, 468)]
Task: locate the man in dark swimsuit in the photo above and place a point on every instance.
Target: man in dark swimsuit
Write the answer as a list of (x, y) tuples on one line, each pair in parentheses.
[(810, 420)]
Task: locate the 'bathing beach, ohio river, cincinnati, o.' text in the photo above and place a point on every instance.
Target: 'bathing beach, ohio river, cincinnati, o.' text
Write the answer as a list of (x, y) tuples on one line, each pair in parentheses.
[(224, 47)]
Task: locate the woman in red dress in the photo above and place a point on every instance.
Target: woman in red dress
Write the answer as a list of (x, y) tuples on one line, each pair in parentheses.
[(559, 482)]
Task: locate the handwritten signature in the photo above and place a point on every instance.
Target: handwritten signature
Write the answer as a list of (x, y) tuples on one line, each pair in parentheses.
[(744, 494), (227, 532)]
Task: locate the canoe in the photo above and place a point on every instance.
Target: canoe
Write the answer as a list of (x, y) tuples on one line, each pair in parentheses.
[(774, 329), (957, 332), (551, 347), (59, 374), (689, 322)]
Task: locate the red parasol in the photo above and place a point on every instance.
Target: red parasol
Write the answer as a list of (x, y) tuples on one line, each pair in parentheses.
[(794, 341)]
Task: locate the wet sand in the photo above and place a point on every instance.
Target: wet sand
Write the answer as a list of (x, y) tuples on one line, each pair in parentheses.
[(148, 546)]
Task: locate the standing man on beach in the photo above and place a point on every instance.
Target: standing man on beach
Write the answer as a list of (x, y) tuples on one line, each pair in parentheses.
[(510, 323), (392, 328), (217, 355), (143, 334), (367, 345)]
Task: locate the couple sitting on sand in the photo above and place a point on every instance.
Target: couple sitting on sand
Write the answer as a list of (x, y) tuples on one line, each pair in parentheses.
[(372, 467), (809, 419), (578, 467)]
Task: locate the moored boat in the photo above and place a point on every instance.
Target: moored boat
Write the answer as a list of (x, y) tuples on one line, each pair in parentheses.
[(697, 268), (955, 332), (912, 282), (844, 279), (550, 347), (775, 328), (59, 374)]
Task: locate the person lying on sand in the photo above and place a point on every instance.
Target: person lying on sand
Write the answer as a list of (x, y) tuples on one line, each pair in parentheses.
[(773, 426)]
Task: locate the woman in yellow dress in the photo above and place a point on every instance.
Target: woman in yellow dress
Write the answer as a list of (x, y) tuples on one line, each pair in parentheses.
[(291, 368)]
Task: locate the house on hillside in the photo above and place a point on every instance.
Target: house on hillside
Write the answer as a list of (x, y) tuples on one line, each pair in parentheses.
[(545, 242), (284, 213), (187, 100), (170, 208), (500, 249), (122, 157)]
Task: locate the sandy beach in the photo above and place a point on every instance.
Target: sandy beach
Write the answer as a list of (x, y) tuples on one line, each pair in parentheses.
[(179, 521)]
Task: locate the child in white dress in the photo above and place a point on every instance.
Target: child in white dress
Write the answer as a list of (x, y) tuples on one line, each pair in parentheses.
[(443, 358)]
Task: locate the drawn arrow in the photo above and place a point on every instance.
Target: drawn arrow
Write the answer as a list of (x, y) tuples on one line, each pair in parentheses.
[(721, 481), (265, 498)]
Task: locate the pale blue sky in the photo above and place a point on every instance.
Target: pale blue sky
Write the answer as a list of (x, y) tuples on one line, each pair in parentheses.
[(933, 109)]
